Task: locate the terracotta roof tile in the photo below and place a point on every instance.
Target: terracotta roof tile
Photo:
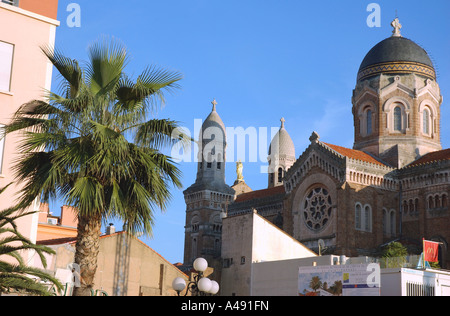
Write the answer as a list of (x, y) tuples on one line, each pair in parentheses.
[(260, 194), (69, 240), (57, 241), (431, 157), (355, 154)]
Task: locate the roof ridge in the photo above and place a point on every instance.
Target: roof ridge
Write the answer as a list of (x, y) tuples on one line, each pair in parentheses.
[(374, 159), (429, 158), (255, 194)]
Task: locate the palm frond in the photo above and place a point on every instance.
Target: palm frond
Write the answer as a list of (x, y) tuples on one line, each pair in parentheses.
[(68, 68), (108, 58), (18, 276), (158, 133)]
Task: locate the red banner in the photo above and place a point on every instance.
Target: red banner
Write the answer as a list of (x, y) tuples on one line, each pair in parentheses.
[(430, 251)]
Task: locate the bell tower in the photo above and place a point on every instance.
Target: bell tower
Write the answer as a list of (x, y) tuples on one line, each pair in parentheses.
[(396, 102), (281, 156), (209, 195)]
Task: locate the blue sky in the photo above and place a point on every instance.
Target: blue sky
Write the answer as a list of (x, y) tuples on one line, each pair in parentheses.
[(261, 60)]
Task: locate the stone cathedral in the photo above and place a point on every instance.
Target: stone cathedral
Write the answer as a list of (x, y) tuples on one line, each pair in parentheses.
[(393, 185)]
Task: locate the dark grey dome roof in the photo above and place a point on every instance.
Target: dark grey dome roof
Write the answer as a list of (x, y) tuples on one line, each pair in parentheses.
[(395, 49)]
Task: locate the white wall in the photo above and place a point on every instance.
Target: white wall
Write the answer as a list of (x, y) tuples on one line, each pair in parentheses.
[(280, 278), (270, 243), (394, 282), (250, 238)]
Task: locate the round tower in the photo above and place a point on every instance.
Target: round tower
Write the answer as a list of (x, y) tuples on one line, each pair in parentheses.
[(396, 102), (209, 195), (281, 156)]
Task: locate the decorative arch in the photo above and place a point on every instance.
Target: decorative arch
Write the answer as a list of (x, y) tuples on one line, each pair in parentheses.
[(195, 223), (367, 118), (389, 222), (397, 111), (300, 193), (317, 208), (428, 118), (363, 217)]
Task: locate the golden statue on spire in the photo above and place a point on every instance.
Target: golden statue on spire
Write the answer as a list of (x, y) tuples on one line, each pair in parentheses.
[(239, 169)]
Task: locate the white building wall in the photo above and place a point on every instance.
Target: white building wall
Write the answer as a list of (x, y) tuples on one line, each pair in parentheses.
[(395, 282), (250, 238), (280, 278), (270, 243)]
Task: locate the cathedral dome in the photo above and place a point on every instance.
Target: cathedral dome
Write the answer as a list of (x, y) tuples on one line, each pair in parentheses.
[(282, 144), (396, 54), (394, 49)]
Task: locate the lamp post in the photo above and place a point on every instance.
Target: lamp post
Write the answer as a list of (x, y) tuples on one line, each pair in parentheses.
[(200, 285)]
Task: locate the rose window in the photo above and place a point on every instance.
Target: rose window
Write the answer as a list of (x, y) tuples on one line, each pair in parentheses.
[(317, 209)]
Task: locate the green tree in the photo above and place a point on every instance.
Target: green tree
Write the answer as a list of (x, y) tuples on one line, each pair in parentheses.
[(97, 146), (336, 288), (316, 283), (15, 275), (395, 255)]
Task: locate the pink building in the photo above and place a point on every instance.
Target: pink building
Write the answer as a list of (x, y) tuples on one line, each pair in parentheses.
[(26, 25), (56, 227)]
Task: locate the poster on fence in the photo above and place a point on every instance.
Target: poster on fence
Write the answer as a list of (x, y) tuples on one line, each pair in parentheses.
[(341, 280)]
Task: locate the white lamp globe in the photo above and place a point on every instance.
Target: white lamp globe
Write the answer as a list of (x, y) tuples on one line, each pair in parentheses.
[(200, 265), (178, 284), (214, 288), (204, 285)]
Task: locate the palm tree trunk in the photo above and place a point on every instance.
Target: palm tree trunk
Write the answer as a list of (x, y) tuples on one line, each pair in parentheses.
[(87, 248)]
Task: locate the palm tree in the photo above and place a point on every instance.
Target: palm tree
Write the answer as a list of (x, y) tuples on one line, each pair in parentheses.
[(98, 147), (316, 283), (14, 274)]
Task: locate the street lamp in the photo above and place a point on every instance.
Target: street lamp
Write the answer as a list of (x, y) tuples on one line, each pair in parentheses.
[(179, 284), (200, 285)]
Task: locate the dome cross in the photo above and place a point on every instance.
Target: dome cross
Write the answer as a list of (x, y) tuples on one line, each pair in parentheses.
[(214, 103)]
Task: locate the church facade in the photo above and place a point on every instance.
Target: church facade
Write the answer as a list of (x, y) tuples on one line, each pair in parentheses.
[(393, 185)]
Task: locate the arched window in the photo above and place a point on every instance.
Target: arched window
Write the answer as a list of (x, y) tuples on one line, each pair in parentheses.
[(437, 201), (426, 121), (280, 174), (363, 217), (358, 216), (195, 224), (209, 161), (430, 202), (217, 245), (385, 222), (367, 218), (194, 249), (411, 206), (397, 119), (369, 122), (219, 161), (392, 223)]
